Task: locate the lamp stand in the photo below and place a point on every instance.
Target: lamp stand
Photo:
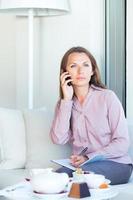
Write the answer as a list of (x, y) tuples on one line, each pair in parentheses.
[(30, 57)]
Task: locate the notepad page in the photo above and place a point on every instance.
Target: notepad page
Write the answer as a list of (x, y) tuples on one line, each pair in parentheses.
[(64, 162)]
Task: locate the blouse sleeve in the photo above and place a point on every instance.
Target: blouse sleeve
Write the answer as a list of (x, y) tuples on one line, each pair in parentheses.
[(119, 143), (60, 130)]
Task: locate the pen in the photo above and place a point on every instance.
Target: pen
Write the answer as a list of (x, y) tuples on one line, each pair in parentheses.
[(83, 151)]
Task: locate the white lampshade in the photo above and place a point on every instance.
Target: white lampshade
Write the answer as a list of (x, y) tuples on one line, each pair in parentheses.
[(33, 8), (40, 7)]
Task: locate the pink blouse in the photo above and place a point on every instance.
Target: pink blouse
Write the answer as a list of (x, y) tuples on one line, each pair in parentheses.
[(99, 124)]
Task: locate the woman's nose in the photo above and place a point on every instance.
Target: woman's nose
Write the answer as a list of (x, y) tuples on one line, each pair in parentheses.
[(80, 70)]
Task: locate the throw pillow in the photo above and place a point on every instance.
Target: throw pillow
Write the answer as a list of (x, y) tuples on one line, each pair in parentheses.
[(12, 139), (40, 149)]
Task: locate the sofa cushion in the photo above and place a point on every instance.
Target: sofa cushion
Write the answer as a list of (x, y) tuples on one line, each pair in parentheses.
[(40, 149), (12, 139), (12, 177)]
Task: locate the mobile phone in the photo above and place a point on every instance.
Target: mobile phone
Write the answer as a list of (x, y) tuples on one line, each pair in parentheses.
[(68, 78), (69, 84)]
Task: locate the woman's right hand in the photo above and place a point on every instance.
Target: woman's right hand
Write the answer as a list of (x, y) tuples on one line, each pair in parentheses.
[(66, 89), (77, 160)]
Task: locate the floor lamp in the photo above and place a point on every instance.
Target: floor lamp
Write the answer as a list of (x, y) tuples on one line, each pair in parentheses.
[(33, 8)]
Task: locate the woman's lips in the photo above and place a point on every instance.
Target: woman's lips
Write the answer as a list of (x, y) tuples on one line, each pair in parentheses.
[(80, 78)]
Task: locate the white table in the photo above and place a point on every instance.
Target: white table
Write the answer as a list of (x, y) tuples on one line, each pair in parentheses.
[(23, 191)]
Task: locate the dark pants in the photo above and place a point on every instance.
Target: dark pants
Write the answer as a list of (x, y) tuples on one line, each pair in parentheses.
[(117, 173)]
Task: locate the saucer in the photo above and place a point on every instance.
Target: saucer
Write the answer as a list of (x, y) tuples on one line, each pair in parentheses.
[(49, 196)]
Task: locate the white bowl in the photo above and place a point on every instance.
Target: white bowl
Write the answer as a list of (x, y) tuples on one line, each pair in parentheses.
[(94, 180)]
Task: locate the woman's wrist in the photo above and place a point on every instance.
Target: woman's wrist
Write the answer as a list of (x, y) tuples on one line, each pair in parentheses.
[(67, 99)]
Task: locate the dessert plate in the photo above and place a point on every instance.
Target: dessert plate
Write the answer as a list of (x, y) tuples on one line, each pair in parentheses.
[(103, 193)]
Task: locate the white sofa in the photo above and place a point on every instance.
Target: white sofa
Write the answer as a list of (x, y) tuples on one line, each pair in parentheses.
[(25, 143)]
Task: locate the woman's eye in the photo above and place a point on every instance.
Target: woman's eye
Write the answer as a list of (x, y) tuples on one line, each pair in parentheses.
[(73, 66), (86, 65)]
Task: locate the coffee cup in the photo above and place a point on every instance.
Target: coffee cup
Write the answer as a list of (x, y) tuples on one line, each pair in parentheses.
[(94, 180)]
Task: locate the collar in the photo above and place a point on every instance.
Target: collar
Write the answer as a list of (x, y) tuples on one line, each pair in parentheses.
[(76, 104), (96, 88)]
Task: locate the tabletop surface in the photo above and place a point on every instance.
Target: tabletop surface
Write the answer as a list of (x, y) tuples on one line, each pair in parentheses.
[(24, 191)]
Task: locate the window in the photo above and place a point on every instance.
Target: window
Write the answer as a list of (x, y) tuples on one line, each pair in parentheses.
[(115, 48)]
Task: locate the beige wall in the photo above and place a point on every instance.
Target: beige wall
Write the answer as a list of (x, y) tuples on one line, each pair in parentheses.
[(7, 61), (84, 25)]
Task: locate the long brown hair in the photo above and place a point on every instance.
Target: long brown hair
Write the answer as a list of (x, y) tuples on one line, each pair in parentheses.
[(95, 78)]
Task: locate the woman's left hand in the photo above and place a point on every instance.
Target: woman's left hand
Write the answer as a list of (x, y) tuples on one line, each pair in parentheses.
[(77, 160)]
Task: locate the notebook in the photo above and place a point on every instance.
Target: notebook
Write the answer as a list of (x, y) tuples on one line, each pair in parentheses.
[(66, 162)]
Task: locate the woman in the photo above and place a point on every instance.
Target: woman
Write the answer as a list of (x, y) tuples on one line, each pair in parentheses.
[(89, 115)]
